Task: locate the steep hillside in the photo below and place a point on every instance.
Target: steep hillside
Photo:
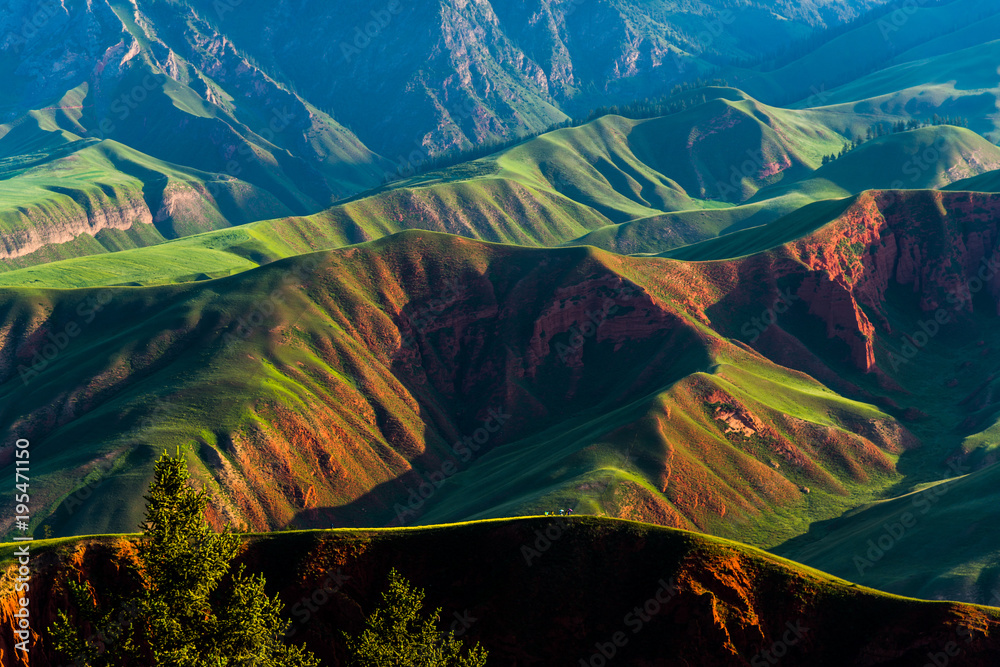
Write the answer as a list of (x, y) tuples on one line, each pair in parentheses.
[(607, 184), (925, 158), (893, 36), (127, 129), (101, 196), (557, 592), (352, 374), (218, 231), (437, 87), (959, 83), (935, 543)]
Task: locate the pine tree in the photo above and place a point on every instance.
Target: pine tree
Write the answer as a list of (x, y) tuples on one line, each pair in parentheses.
[(183, 560), (396, 634), (176, 615)]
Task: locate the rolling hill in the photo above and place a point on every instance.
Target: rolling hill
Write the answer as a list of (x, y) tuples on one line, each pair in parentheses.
[(926, 158), (326, 388), (349, 333), (897, 544), (217, 127), (606, 183), (887, 37), (688, 315)]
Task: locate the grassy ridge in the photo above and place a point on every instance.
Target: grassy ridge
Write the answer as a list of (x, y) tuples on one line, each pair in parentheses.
[(605, 184), (351, 390), (98, 188), (716, 599), (840, 70)]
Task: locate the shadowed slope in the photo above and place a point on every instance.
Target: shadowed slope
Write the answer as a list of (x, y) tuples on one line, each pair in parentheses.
[(556, 591)]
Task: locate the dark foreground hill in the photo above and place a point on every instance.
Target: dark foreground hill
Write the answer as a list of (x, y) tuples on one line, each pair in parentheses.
[(566, 592)]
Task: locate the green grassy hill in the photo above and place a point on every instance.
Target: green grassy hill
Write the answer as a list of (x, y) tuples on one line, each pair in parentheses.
[(103, 196), (926, 158), (875, 44), (548, 192), (934, 543), (349, 353), (950, 84), (606, 183), (369, 335), (329, 388)]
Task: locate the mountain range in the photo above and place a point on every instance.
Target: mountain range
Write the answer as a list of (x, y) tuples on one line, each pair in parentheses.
[(726, 268)]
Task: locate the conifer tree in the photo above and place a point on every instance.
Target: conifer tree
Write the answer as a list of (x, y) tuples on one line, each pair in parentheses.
[(397, 634), (176, 615)]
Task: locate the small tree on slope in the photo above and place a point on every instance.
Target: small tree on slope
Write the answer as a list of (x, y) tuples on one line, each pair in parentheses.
[(395, 634)]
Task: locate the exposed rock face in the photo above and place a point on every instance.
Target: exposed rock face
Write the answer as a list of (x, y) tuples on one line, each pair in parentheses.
[(427, 77), (38, 228), (544, 336), (941, 246), (410, 352), (833, 302)]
